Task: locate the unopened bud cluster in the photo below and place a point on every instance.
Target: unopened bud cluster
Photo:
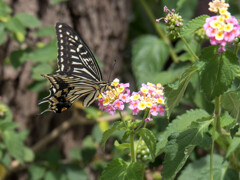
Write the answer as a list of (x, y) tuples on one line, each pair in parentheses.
[(174, 22), (143, 153)]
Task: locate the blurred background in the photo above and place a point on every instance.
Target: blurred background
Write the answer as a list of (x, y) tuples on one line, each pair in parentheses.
[(67, 145)]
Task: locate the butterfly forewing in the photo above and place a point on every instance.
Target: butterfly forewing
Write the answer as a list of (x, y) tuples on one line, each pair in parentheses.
[(79, 75), (74, 56)]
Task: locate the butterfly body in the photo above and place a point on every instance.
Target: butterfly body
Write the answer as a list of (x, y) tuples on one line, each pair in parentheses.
[(79, 75)]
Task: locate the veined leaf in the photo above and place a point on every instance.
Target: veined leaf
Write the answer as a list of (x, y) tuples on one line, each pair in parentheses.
[(180, 147), (231, 103), (118, 169), (192, 26), (200, 169), (179, 124), (116, 126), (174, 92), (149, 139), (218, 72)]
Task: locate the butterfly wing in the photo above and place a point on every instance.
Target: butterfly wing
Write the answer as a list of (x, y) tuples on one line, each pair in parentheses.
[(74, 56), (79, 75)]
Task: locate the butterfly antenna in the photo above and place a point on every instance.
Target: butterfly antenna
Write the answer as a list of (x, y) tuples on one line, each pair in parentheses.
[(112, 70)]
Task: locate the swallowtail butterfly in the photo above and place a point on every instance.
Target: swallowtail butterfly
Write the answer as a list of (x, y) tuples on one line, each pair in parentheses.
[(79, 75)]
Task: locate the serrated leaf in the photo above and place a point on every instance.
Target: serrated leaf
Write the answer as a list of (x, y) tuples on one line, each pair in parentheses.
[(231, 103), (28, 20), (149, 139), (45, 54), (234, 144), (181, 123), (218, 72), (118, 169), (116, 126), (45, 31), (149, 56), (192, 26), (41, 69), (226, 120), (174, 92), (14, 145), (121, 146), (180, 146), (200, 169)]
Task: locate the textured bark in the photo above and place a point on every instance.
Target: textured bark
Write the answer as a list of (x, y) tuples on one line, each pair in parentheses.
[(102, 24)]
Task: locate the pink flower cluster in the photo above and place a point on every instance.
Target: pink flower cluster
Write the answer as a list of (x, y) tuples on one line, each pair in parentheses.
[(150, 97), (222, 29), (114, 98)]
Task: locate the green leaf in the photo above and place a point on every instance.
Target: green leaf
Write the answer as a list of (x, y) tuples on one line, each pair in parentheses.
[(28, 155), (118, 169), (36, 171), (226, 120), (74, 172), (45, 31), (28, 20), (14, 145), (149, 139), (7, 125), (116, 126), (192, 26), (37, 86), (180, 146), (18, 57), (45, 54), (175, 91), (121, 146), (88, 150), (181, 123), (5, 11), (52, 175), (53, 2), (231, 103), (3, 33), (75, 154), (149, 56), (218, 72), (234, 144), (15, 26), (200, 169), (41, 69)]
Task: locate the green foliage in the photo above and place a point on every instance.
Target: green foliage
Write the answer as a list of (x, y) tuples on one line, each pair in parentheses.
[(42, 68), (218, 72), (5, 10), (200, 169), (53, 2), (181, 145), (192, 26), (231, 103), (149, 139), (181, 123), (118, 169), (149, 56), (116, 126), (28, 20), (174, 92), (46, 31)]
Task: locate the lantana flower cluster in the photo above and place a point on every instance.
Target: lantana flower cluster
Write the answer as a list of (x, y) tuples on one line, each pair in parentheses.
[(114, 98), (150, 98), (223, 28)]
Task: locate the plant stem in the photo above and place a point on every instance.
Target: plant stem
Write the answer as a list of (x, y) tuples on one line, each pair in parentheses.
[(159, 30), (122, 119), (188, 47), (133, 156), (215, 122), (236, 49), (143, 119)]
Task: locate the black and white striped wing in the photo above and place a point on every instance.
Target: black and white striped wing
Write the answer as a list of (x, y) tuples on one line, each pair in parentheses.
[(74, 56)]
